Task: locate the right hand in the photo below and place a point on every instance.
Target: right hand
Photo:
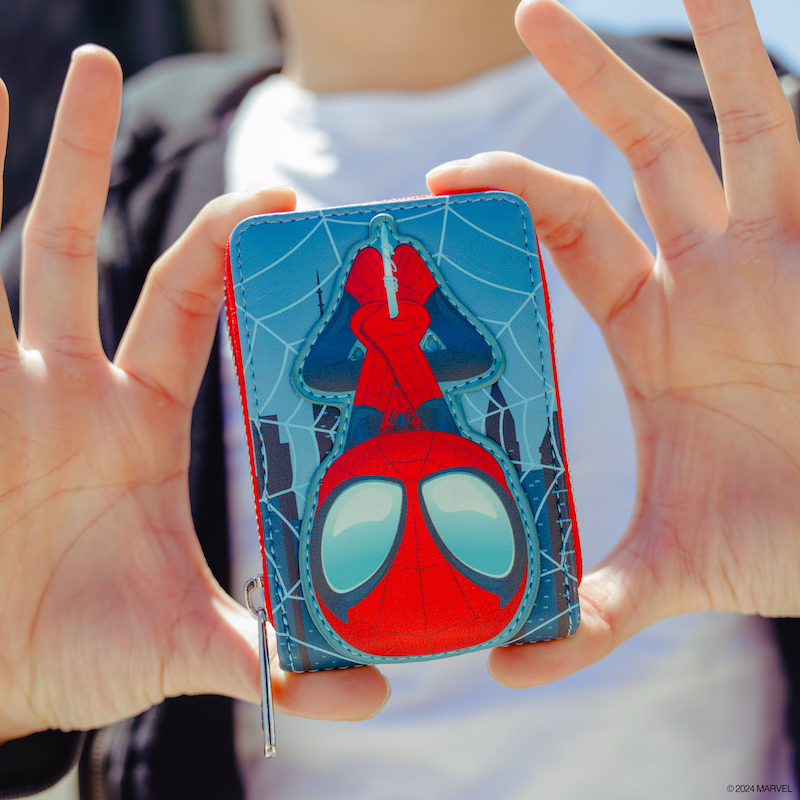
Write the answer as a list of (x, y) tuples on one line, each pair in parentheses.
[(704, 333), (106, 603)]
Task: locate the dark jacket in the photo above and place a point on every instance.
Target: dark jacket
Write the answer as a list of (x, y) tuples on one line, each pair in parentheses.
[(168, 164)]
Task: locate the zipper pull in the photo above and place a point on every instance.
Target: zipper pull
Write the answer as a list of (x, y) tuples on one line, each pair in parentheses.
[(259, 611)]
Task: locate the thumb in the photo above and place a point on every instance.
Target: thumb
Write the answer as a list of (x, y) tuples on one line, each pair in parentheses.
[(220, 656), (617, 600), (600, 258)]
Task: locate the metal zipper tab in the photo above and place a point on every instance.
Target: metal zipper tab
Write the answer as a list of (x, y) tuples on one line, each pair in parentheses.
[(259, 610)]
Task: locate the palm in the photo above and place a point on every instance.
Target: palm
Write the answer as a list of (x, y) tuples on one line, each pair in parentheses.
[(106, 602), (704, 337), (125, 543), (710, 363)]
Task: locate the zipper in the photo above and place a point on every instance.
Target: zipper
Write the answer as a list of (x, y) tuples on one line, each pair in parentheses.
[(259, 611)]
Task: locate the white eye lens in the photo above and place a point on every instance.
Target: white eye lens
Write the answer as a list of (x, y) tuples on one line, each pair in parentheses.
[(472, 522), (359, 532)]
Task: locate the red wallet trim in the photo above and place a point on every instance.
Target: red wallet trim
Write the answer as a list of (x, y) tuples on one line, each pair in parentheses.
[(233, 336), (575, 538)]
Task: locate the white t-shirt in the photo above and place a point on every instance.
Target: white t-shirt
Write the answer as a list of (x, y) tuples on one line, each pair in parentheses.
[(686, 707)]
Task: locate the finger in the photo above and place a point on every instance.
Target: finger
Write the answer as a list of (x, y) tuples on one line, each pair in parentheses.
[(758, 138), (675, 179), (345, 694), (8, 337), (600, 258), (616, 603), (230, 666), (59, 278), (169, 337), (3, 135)]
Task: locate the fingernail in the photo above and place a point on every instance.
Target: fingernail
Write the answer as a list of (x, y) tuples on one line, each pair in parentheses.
[(493, 675), (84, 48), (386, 697), (459, 162)]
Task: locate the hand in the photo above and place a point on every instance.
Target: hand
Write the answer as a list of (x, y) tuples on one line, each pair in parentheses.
[(106, 603), (705, 336)]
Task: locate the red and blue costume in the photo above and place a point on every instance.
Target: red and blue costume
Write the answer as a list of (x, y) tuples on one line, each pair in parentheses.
[(417, 544)]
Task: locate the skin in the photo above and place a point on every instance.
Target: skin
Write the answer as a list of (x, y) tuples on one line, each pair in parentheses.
[(353, 45), (704, 335), (106, 604)]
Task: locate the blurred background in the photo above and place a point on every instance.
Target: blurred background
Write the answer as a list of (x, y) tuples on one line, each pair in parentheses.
[(779, 20), (37, 36)]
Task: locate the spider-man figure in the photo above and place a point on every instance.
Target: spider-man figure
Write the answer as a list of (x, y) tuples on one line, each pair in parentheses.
[(417, 544)]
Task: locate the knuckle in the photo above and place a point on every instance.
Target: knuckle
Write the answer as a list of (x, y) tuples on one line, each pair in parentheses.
[(76, 348), (508, 167), (511, 159), (743, 125), (681, 244), (568, 232), (188, 302), (647, 147), (520, 170), (216, 220), (65, 241), (716, 24), (756, 231), (213, 209)]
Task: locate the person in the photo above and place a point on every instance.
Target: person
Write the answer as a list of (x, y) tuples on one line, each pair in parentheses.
[(108, 604)]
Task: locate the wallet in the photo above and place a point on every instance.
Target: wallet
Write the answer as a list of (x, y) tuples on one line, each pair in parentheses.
[(397, 376)]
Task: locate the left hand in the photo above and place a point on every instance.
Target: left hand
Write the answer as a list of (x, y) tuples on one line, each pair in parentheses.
[(107, 605), (705, 336)]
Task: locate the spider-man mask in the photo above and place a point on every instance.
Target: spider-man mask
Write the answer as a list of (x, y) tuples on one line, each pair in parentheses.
[(417, 546)]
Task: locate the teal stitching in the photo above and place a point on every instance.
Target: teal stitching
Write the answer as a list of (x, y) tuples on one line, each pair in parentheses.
[(369, 208), (284, 618), (469, 434), (462, 388), (345, 407), (560, 521), (571, 583)]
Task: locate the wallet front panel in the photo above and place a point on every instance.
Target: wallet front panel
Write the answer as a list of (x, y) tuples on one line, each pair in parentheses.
[(397, 375)]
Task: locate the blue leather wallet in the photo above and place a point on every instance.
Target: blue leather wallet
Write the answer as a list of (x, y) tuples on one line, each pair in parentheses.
[(397, 377)]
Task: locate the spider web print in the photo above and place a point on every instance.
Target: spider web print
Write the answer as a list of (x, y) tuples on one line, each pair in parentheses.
[(285, 269)]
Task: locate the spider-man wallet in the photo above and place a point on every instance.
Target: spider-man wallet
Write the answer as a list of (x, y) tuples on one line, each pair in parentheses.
[(396, 369)]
